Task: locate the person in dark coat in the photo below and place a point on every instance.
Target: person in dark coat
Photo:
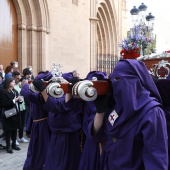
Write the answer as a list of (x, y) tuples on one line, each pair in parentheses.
[(1, 81), (9, 99), (38, 129), (65, 122), (1, 119), (134, 128)]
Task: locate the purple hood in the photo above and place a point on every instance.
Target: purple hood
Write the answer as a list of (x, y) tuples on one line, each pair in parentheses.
[(134, 93)]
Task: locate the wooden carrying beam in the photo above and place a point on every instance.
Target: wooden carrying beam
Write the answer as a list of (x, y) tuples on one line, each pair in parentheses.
[(87, 90)]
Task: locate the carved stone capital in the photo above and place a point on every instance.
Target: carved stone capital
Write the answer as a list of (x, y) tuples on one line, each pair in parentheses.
[(21, 26), (41, 29), (31, 28), (47, 30), (93, 19)]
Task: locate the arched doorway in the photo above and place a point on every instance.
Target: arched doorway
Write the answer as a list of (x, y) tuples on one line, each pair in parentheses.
[(33, 31), (107, 37), (8, 33)]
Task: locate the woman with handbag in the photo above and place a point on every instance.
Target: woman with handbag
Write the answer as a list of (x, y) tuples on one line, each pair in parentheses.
[(9, 101)]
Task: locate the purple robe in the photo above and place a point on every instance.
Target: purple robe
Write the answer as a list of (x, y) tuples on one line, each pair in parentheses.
[(65, 123), (163, 86), (90, 159), (168, 77), (40, 132), (137, 139)]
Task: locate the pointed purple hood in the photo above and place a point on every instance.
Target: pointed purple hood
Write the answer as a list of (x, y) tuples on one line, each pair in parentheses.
[(134, 92), (45, 76), (100, 75), (67, 76)]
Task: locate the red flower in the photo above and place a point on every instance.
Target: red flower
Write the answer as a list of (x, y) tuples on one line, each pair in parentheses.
[(130, 54)]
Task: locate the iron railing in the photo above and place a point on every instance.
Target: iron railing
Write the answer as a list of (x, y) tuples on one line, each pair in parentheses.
[(106, 64)]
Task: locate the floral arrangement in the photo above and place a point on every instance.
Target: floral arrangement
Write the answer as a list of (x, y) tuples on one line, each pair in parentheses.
[(136, 40), (131, 53)]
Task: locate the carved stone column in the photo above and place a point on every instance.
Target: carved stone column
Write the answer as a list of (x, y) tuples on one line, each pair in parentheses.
[(22, 50), (41, 53), (93, 35)]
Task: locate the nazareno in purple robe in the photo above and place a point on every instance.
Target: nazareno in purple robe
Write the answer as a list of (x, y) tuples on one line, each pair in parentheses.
[(40, 132), (163, 86), (65, 122), (137, 139), (90, 158)]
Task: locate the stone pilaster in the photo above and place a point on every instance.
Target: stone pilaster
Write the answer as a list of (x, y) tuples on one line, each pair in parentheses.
[(93, 33)]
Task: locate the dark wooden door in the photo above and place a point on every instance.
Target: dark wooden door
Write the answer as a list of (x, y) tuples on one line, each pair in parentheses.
[(8, 33)]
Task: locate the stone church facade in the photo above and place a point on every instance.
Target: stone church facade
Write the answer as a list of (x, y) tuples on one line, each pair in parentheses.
[(77, 34)]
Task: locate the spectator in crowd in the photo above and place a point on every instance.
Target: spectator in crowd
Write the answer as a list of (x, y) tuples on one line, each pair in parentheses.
[(2, 71), (1, 81), (9, 99), (1, 119), (8, 71), (16, 75), (75, 73), (31, 69), (133, 128), (26, 75), (14, 65)]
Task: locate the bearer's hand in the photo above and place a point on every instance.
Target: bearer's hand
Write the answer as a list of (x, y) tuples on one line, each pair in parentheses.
[(39, 85)]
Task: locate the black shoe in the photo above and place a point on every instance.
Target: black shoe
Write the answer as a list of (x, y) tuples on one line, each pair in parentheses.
[(16, 148), (9, 150)]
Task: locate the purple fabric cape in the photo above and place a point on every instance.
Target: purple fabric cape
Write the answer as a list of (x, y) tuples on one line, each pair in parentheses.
[(40, 132)]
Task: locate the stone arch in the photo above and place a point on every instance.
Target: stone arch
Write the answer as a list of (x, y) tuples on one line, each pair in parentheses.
[(107, 37), (33, 29)]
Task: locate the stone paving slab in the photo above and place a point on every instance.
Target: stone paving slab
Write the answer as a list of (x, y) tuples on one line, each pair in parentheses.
[(14, 161)]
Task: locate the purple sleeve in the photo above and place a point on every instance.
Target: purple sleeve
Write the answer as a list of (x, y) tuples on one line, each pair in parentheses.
[(155, 139), (56, 105), (27, 93), (99, 135)]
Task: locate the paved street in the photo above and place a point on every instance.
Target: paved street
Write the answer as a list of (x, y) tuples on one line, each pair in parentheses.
[(13, 161)]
